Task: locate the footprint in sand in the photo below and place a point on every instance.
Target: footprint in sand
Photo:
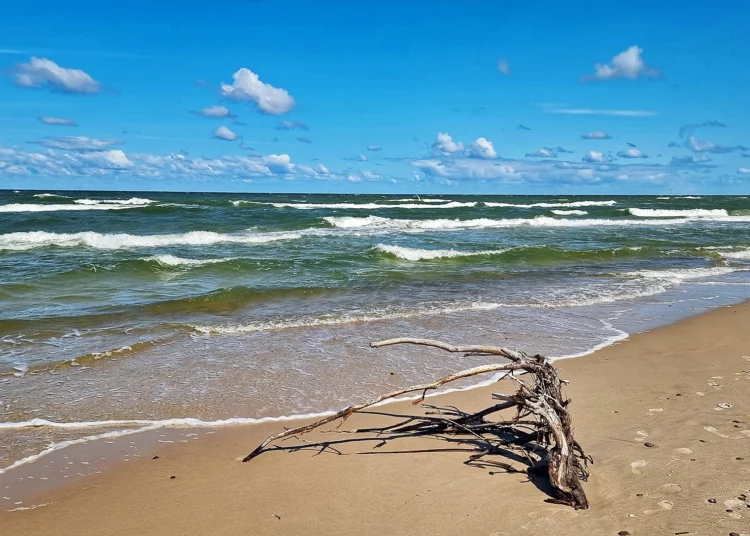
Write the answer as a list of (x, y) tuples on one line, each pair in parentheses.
[(636, 466), (671, 489), (683, 450), (743, 433), (663, 507)]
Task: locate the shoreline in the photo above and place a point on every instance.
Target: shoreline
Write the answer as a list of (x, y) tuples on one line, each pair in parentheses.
[(198, 457)]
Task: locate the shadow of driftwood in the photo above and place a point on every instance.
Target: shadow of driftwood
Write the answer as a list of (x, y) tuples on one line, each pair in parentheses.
[(520, 456)]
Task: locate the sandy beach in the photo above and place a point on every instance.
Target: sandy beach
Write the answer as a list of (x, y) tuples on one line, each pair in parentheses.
[(683, 389)]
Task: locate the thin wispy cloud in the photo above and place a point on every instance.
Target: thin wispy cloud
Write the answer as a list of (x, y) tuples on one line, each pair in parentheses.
[(503, 66), (57, 121), (292, 125), (595, 111), (79, 143), (596, 135)]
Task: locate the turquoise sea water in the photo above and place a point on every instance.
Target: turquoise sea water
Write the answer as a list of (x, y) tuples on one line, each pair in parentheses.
[(155, 306)]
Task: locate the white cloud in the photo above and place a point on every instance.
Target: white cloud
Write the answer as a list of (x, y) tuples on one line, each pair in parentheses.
[(291, 125), (544, 152), (114, 159), (596, 135), (594, 111), (79, 143), (374, 148), (698, 146), (57, 121), (482, 148), (248, 87), (278, 163), (690, 159), (361, 157), (743, 171), (446, 145), (503, 66), (223, 133), (369, 175), (627, 64), (595, 156), (44, 73), (215, 111), (631, 153)]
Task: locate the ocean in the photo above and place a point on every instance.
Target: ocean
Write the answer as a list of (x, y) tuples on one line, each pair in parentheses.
[(121, 310)]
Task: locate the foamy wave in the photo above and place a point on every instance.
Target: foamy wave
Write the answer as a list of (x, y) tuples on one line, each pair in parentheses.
[(416, 254), (365, 206), (42, 196), (377, 222), (131, 201), (678, 275), (667, 213), (569, 212), (172, 260), (334, 320), (561, 204), (37, 239), (742, 255), (29, 207), (412, 199)]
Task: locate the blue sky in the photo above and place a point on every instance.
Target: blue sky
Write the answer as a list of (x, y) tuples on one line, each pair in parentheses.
[(503, 97)]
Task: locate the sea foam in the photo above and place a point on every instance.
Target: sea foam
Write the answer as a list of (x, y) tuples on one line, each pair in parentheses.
[(416, 254), (560, 204), (37, 239), (668, 213)]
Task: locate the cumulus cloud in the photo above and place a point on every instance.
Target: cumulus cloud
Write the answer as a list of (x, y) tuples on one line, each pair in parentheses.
[(374, 148), (743, 171), (595, 157), (698, 146), (247, 86), (631, 153), (41, 73), (503, 66), (215, 111), (79, 143), (596, 135), (544, 152), (112, 159), (224, 133), (57, 121), (627, 64), (291, 125), (446, 145), (482, 148)]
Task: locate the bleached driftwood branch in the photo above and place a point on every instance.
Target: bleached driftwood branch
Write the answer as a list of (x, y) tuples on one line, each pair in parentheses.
[(542, 424)]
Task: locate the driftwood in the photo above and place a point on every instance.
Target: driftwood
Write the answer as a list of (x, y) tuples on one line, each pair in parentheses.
[(541, 428)]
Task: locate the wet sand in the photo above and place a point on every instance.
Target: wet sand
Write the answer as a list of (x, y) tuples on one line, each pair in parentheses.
[(683, 388)]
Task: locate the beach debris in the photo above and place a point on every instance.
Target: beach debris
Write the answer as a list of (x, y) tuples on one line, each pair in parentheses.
[(649, 444), (724, 405), (541, 430)]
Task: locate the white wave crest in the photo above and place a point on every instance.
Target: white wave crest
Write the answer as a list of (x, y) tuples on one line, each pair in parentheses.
[(569, 212), (37, 239), (416, 254), (667, 213), (377, 222), (413, 199), (561, 204), (678, 275), (131, 201), (42, 196), (30, 207), (741, 255), (362, 206), (172, 260)]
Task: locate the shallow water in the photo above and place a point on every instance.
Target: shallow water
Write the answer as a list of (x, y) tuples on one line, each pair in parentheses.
[(159, 306)]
